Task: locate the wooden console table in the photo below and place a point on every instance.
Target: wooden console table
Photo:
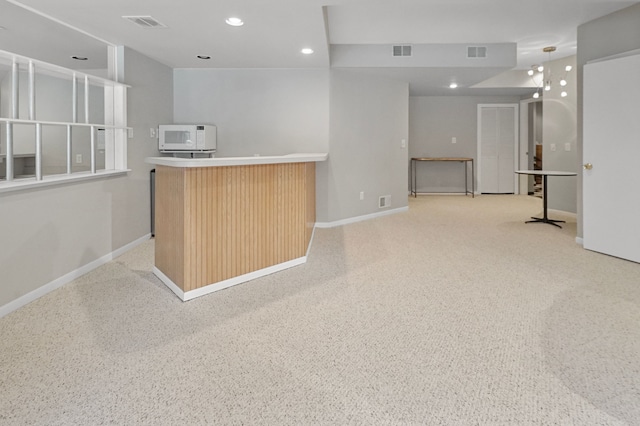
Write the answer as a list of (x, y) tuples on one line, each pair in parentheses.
[(463, 160)]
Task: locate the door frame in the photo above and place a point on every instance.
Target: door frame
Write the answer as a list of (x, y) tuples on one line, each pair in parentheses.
[(524, 154), (516, 140)]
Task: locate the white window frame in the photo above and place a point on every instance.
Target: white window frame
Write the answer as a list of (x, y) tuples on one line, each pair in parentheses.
[(115, 124)]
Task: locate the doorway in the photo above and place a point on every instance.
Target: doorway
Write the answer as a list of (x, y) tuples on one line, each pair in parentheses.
[(531, 143), (497, 148)]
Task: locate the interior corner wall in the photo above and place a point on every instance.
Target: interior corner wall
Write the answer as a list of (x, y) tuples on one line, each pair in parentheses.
[(433, 122), (609, 35), (52, 231), (560, 128), (369, 120)]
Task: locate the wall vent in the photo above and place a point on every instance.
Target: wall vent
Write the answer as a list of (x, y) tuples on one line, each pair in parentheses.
[(384, 201), (401, 50), (476, 51), (145, 21)]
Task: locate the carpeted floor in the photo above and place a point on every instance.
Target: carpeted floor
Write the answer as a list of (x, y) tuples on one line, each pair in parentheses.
[(454, 313)]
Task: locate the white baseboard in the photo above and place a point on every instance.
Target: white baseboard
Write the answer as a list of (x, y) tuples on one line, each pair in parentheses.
[(313, 233), (221, 285), (444, 193), (67, 278), (574, 215), (360, 218), (579, 241)]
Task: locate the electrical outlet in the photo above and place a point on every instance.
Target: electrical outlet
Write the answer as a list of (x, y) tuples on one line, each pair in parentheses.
[(78, 158), (403, 143), (361, 195), (454, 140)]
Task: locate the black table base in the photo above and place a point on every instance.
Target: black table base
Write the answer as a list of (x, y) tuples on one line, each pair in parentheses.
[(545, 220)]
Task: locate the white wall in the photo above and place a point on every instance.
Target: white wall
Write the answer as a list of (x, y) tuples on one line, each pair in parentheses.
[(609, 35), (257, 111), (560, 128), (369, 118), (433, 122), (52, 231)]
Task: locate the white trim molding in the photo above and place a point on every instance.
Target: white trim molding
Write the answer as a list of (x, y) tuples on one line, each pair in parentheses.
[(221, 285), (67, 278), (360, 218)]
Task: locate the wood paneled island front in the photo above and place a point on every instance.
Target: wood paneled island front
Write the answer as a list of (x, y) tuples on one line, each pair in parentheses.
[(224, 221)]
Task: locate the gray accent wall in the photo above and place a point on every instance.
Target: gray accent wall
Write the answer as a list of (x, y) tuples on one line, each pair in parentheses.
[(369, 119), (257, 111), (560, 128), (49, 232), (433, 122), (609, 35), (360, 120)]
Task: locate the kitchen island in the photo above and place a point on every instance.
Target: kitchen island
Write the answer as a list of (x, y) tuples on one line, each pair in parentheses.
[(224, 221)]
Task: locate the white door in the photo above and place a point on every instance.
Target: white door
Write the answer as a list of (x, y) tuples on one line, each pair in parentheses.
[(497, 141), (611, 151)]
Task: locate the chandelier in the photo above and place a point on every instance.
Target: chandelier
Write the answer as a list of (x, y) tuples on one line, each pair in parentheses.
[(543, 80)]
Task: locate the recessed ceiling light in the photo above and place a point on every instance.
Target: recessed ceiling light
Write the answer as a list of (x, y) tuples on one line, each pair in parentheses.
[(79, 58), (453, 85), (234, 22), (307, 51), (204, 57)]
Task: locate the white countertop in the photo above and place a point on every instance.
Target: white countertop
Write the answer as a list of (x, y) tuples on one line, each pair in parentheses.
[(236, 161)]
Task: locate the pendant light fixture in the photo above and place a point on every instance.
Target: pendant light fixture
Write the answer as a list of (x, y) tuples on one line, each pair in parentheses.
[(545, 78)]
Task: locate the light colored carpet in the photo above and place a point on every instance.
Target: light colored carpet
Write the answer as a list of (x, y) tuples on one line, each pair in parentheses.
[(455, 313)]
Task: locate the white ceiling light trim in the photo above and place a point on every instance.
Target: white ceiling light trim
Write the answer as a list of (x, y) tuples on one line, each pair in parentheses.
[(307, 51), (234, 21)]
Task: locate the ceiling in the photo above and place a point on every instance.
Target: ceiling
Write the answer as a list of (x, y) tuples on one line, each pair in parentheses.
[(276, 30)]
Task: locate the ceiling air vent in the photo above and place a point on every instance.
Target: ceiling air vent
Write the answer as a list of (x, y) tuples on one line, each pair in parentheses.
[(401, 50), (476, 51), (145, 21)]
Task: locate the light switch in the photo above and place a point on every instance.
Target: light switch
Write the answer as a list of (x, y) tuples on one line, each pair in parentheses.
[(403, 143), (552, 147), (567, 146), (454, 140)]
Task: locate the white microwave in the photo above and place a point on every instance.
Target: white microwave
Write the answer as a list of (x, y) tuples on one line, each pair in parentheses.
[(187, 138)]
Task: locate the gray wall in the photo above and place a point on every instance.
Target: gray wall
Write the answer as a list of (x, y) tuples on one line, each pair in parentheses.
[(51, 231), (257, 111), (433, 121), (359, 119), (369, 119), (559, 128), (616, 33)]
